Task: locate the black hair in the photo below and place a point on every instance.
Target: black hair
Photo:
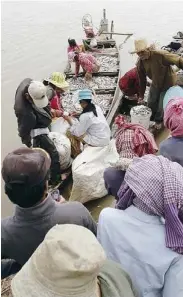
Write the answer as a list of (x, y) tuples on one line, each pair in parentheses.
[(24, 195), (72, 42), (90, 107)]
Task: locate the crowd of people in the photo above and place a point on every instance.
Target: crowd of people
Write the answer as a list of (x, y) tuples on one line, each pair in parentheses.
[(50, 247)]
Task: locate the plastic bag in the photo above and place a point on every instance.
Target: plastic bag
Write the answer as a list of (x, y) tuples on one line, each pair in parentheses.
[(63, 147), (88, 169)]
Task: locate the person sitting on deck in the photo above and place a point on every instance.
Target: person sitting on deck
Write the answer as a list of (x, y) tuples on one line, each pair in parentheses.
[(92, 128), (87, 61), (144, 233), (132, 140), (172, 148), (157, 65), (25, 172), (34, 118), (56, 86), (71, 262)]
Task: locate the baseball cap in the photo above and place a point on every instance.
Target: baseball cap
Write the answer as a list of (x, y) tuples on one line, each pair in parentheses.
[(26, 166), (37, 92)]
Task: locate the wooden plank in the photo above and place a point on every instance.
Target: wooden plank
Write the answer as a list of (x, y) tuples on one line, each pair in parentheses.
[(111, 74)]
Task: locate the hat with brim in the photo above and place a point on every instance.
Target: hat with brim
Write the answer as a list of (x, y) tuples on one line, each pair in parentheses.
[(37, 91), (61, 266), (58, 80), (140, 46), (85, 95)]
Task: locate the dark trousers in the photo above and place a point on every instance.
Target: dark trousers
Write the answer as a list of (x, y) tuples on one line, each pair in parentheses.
[(44, 142), (126, 105), (9, 267), (155, 102)]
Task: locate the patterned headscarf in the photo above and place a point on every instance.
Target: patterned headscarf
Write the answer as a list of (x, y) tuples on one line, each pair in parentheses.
[(173, 116), (133, 140), (155, 185)]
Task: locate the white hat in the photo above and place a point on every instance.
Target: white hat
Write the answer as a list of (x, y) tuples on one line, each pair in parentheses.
[(65, 264), (140, 45), (37, 91)]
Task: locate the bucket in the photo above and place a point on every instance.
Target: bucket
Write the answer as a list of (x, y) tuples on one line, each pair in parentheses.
[(141, 114)]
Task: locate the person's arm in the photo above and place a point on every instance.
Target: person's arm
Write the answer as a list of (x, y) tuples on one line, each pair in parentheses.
[(26, 122), (78, 129), (172, 59), (173, 283), (142, 79), (77, 67)]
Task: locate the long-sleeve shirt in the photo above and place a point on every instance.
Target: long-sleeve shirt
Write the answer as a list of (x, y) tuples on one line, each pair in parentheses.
[(136, 240), (158, 69), (95, 129), (87, 62), (22, 233), (129, 83), (172, 149)]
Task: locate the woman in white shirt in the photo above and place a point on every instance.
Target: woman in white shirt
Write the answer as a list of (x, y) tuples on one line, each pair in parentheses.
[(92, 128), (145, 231)]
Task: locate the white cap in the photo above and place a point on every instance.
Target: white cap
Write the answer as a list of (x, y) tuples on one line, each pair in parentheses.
[(37, 92)]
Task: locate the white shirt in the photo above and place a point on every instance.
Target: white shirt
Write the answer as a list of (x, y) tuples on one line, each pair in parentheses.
[(137, 241), (96, 129)]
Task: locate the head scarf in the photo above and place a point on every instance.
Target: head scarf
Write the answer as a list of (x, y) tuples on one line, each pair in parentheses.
[(154, 185), (173, 116), (133, 140)]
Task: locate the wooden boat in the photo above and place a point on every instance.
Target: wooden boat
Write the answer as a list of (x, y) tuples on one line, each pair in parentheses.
[(105, 83)]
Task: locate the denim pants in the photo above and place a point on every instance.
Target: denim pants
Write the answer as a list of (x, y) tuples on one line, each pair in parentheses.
[(155, 102)]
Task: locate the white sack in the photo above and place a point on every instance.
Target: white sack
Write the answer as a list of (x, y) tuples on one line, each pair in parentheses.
[(63, 147), (88, 169)]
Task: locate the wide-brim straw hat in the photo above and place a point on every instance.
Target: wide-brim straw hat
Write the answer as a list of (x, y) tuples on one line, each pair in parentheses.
[(65, 264), (58, 80), (140, 45)]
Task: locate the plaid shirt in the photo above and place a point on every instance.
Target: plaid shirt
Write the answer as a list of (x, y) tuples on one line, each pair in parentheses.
[(154, 185), (87, 62)]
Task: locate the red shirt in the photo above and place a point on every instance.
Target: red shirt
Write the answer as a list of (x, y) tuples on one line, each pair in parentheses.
[(129, 83), (55, 104)]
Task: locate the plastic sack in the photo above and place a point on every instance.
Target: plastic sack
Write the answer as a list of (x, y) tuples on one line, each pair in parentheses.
[(60, 125), (88, 169), (63, 147)]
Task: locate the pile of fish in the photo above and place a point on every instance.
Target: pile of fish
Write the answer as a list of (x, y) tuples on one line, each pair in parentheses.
[(104, 82), (107, 64), (104, 101), (70, 102), (140, 110)]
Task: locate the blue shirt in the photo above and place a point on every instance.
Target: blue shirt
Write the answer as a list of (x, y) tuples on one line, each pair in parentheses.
[(172, 92), (137, 241), (172, 149)]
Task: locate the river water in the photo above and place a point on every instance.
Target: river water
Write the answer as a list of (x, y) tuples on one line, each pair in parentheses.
[(34, 42)]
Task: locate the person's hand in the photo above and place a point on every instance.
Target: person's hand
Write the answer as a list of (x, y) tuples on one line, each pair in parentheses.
[(74, 114), (140, 100), (53, 113)]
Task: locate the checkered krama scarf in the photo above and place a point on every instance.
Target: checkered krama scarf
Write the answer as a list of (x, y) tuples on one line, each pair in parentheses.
[(173, 116), (155, 185), (133, 140)]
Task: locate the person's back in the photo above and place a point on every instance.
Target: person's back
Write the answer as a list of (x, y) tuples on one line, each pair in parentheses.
[(98, 133), (26, 185), (172, 148), (126, 238), (145, 232)]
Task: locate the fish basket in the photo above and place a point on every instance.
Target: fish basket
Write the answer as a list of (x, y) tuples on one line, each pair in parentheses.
[(141, 115)]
